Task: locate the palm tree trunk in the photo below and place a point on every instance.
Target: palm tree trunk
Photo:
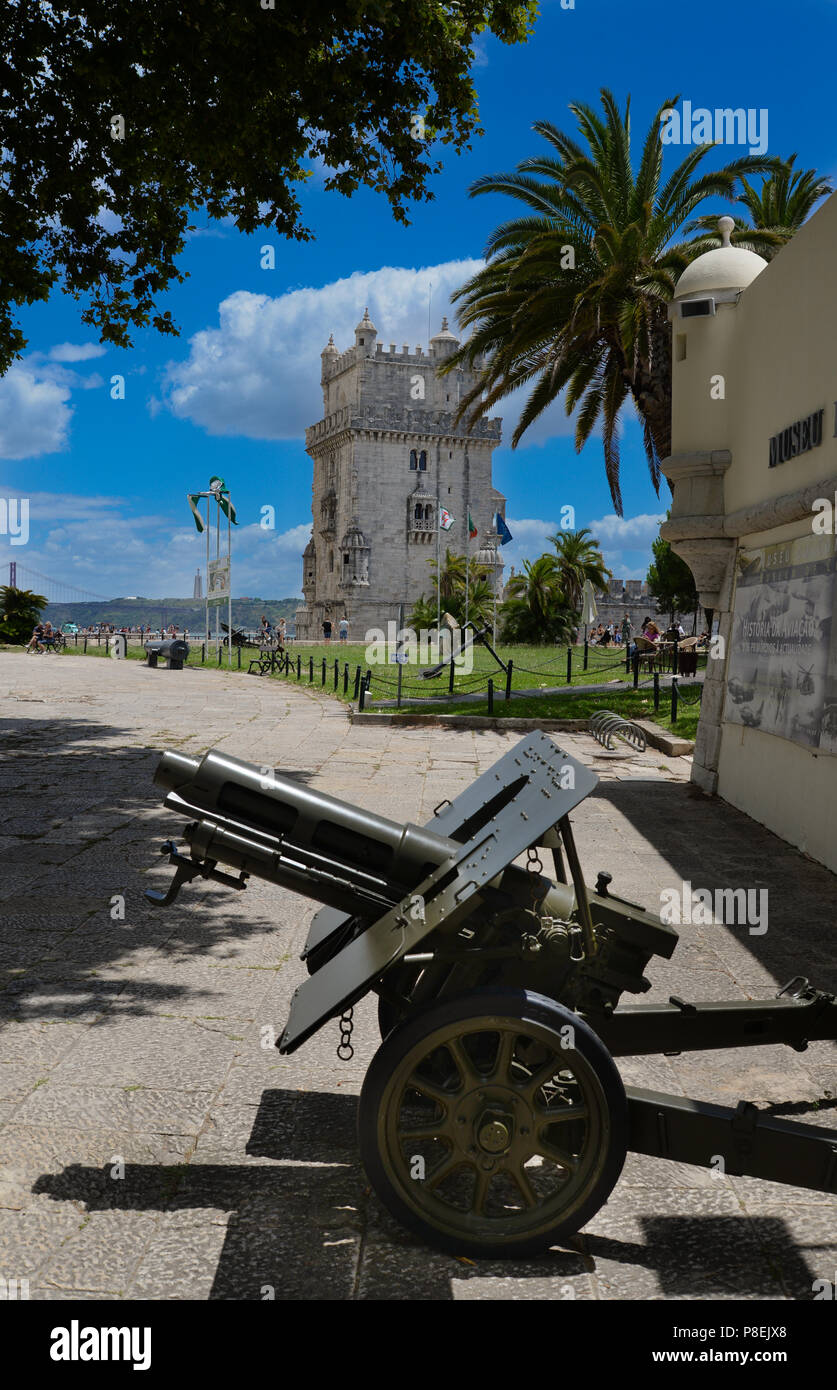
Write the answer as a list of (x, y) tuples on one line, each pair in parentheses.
[(651, 388)]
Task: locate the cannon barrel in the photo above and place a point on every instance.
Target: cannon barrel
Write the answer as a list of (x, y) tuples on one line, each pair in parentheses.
[(272, 826)]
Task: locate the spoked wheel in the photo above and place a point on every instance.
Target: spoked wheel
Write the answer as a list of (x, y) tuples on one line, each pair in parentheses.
[(394, 1005), (493, 1124)]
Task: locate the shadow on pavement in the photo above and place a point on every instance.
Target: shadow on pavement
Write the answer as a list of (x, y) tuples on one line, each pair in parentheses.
[(85, 823), (297, 1230)]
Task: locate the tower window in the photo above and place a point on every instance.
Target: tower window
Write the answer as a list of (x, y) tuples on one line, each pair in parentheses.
[(413, 460), (423, 461), (331, 560)]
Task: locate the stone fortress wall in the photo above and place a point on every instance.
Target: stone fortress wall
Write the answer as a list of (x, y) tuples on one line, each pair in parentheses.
[(387, 455)]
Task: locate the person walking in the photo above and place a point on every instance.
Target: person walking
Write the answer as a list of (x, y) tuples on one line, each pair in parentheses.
[(343, 628), (326, 630)]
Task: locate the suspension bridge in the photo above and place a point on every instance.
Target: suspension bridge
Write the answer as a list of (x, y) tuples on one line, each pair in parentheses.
[(19, 576)]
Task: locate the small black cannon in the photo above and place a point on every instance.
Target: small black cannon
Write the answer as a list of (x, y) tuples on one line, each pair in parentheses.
[(493, 1119), (173, 650)]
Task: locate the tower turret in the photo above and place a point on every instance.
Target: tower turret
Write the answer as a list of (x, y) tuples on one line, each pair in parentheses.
[(366, 333)]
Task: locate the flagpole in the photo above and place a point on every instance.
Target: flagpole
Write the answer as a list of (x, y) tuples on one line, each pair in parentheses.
[(206, 582), (467, 563), (438, 563), (229, 583)]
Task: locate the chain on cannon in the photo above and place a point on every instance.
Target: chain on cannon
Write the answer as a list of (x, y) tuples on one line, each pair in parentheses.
[(499, 994), (345, 1051)]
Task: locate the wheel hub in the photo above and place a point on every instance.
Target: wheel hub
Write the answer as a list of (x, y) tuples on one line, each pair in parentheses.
[(493, 1133)]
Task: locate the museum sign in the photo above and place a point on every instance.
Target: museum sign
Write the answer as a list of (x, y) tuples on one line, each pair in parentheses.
[(798, 438)]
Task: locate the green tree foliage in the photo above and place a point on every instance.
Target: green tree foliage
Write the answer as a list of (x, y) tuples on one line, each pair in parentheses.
[(536, 609), (450, 579), (776, 210), (226, 105), (573, 296), (579, 558), (20, 610), (671, 581)]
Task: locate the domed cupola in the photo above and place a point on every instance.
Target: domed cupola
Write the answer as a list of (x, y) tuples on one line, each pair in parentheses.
[(443, 343), (366, 333), (716, 277)]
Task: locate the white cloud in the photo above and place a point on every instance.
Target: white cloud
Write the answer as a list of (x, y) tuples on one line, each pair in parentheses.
[(625, 542), (94, 544), (76, 352), (34, 412), (628, 532), (258, 373)]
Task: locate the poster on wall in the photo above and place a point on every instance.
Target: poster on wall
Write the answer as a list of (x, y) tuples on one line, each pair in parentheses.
[(782, 672)]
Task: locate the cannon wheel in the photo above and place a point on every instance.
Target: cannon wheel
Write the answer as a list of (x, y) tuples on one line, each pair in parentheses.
[(493, 1124)]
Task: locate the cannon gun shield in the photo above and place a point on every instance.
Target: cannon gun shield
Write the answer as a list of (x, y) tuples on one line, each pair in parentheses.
[(509, 808)]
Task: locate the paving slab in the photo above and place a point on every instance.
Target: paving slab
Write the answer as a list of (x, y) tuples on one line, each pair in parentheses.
[(153, 1147)]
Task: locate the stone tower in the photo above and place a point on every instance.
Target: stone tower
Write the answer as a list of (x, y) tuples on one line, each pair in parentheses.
[(387, 456)]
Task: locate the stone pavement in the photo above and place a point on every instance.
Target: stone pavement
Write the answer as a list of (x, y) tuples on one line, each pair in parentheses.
[(150, 1148)]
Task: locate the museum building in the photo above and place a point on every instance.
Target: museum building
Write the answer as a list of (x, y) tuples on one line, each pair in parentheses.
[(754, 474)]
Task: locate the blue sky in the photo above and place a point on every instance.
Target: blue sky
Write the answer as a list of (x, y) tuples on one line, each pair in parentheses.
[(107, 479)]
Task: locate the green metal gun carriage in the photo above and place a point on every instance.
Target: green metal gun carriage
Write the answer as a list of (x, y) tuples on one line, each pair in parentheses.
[(493, 1120)]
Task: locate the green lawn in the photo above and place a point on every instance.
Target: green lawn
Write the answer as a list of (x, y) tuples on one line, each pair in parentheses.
[(532, 667), (630, 703)]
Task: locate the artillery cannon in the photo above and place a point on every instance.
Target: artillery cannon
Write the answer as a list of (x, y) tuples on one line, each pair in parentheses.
[(493, 1119), (173, 650)]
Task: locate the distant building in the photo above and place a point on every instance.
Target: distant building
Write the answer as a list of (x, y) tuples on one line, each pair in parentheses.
[(387, 457)]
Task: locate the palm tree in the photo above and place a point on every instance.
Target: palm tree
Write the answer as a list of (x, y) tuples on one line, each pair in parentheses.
[(480, 599), (785, 200), (20, 610), (536, 608), (450, 580), (579, 558), (423, 615), (573, 297)]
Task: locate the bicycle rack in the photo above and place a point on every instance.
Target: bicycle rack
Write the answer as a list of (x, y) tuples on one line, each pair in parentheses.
[(604, 725)]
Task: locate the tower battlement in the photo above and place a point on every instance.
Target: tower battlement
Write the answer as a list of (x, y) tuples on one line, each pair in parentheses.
[(388, 455)]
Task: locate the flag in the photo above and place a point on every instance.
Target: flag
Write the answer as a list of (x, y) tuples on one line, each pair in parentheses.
[(194, 498), (502, 529), (445, 519), (222, 496), (472, 530), (219, 490)]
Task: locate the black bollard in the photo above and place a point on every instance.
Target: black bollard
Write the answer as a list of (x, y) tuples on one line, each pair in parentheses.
[(636, 669), (299, 668), (509, 679), (203, 652), (451, 676), (656, 690), (238, 654), (345, 678), (336, 672), (322, 681), (311, 670), (674, 699), (357, 684), (490, 696), (569, 665), (586, 653)]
